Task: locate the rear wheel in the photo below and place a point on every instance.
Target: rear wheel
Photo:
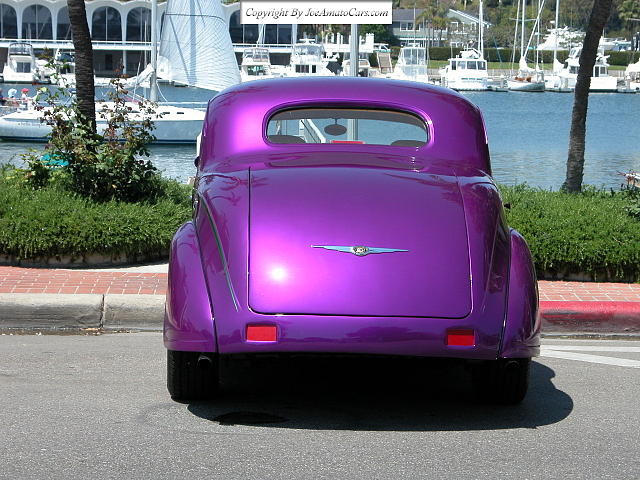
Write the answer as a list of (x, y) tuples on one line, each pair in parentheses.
[(192, 375), (503, 381)]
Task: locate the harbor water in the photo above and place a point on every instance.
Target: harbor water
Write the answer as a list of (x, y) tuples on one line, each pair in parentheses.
[(528, 137)]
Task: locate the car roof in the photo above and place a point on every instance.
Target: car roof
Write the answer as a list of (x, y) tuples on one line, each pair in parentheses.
[(236, 119)]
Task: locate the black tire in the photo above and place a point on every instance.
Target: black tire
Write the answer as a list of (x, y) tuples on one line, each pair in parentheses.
[(187, 381), (504, 381)]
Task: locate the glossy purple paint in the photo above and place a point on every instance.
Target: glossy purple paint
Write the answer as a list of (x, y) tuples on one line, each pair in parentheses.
[(262, 206), (188, 323)]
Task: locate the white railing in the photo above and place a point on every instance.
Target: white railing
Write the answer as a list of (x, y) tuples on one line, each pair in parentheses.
[(68, 44)]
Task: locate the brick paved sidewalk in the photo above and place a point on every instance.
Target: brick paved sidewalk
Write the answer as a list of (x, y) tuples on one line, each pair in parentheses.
[(37, 280)]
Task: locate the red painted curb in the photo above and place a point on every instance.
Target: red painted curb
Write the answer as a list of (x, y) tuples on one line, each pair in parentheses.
[(590, 317)]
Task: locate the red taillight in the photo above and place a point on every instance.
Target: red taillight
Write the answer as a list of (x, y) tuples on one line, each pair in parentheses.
[(461, 338), (262, 333)]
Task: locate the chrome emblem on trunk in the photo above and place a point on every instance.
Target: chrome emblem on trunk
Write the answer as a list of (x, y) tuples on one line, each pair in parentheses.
[(359, 250)]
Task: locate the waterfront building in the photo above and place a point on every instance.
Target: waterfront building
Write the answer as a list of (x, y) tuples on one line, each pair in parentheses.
[(121, 31), (461, 28)]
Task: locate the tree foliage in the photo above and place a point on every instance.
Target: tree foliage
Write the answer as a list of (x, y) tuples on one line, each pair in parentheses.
[(500, 13)]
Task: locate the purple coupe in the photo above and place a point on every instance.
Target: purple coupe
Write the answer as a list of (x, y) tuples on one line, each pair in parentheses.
[(348, 215)]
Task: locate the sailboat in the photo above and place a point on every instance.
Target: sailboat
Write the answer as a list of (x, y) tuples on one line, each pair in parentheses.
[(527, 79), (552, 82), (196, 42)]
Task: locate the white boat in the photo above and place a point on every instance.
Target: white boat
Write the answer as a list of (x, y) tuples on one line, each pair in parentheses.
[(174, 125), (364, 66), (467, 71), (552, 42), (65, 71), (411, 64), (601, 81), (21, 65), (307, 59), (632, 76), (255, 64), (527, 79), (205, 67)]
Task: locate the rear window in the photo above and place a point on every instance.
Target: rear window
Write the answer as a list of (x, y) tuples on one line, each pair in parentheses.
[(347, 125)]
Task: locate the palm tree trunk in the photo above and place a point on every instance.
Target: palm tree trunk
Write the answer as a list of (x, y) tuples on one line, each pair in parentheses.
[(85, 88), (575, 159)]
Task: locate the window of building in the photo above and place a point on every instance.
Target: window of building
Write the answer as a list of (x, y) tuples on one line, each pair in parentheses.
[(8, 22), (106, 25), (284, 33), (235, 27), (139, 25), (406, 26), (242, 33), (277, 34), (64, 25), (36, 23)]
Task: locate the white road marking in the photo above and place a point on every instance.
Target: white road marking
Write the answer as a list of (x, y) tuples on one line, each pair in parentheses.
[(585, 357), (592, 348)]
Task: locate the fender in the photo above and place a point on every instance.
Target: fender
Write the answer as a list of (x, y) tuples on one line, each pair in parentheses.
[(521, 334), (188, 321)]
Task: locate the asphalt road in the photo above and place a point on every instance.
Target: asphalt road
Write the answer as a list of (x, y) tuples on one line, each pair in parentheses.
[(97, 407)]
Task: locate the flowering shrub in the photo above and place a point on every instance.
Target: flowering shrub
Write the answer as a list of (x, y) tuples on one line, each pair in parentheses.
[(105, 165)]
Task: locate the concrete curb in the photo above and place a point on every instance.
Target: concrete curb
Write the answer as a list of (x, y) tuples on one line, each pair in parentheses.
[(142, 311), (590, 317), (113, 312), (20, 310)]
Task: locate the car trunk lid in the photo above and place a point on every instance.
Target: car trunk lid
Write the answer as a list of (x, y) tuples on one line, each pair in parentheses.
[(302, 218)]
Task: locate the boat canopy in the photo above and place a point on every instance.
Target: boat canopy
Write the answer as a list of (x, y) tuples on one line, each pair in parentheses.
[(256, 55), (308, 50), (413, 55)]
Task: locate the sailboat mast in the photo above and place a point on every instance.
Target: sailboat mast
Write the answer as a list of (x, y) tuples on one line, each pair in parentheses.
[(555, 46), (524, 9), (537, 30), (153, 81), (481, 32)]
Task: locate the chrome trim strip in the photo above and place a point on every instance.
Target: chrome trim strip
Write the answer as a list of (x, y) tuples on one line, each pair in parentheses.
[(223, 258), (359, 250)]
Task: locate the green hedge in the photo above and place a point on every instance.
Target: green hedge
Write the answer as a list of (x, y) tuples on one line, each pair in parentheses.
[(595, 233), (495, 54), (591, 233), (622, 58), (52, 222)]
